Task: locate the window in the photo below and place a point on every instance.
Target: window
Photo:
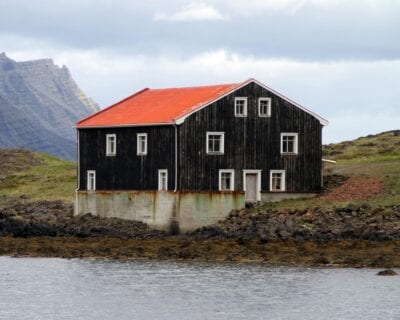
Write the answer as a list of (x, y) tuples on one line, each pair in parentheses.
[(111, 144), (163, 179), (289, 143), (91, 180), (226, 180), (215, 143), (141, 144), (264, 107), (240, 107), (277, 180)]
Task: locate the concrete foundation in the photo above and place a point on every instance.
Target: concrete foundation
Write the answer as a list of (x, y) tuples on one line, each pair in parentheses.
[(279, 196), (164, 210)]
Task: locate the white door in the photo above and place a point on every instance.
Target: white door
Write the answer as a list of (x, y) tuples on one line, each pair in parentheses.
[(251, 187)]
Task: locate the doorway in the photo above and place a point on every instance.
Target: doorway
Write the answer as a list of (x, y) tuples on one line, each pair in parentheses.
[(252, 185)]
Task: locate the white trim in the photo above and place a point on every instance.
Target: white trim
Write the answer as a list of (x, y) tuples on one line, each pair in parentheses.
[(268, 114), (181, 119), (252, 171), (296, 142), (160, 171), (283, 172), (108, 145), (222, 143), (89, 172), (232, 183), (244, 99), (138, 151)]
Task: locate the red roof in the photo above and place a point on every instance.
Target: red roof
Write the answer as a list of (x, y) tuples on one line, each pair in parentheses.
[(167, 106), (156, 106)]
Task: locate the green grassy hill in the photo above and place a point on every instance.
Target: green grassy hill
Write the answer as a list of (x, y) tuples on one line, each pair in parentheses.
[(372, 163), (374, 159), (26, 175)]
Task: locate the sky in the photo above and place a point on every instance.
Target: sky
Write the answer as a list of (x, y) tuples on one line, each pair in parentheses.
[(339, 58)]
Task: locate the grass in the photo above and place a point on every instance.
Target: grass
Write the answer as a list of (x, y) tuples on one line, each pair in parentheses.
[(38, 176), (372, 156)]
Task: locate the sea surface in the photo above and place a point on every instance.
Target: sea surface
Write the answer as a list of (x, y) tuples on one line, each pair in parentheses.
[(43, 288)]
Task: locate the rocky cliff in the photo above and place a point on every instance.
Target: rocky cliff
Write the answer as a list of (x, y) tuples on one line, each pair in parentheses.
[(39, 104)]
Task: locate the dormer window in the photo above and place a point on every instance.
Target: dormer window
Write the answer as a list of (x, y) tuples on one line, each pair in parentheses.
[(111, 144), (240, 107), (264, 107)]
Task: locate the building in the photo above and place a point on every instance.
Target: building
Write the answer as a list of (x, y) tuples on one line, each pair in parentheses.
[(185, 157)]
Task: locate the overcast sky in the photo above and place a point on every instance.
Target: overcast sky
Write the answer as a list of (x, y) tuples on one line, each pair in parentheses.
[(340, 58)]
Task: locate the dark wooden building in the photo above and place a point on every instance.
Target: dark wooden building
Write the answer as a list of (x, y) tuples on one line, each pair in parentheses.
[(242, 137)]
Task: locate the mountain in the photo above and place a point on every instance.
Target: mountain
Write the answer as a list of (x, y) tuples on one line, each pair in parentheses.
[(39, 105)]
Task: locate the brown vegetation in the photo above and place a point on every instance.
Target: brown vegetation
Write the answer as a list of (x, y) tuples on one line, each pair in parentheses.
[(355, 189), (346, 253)]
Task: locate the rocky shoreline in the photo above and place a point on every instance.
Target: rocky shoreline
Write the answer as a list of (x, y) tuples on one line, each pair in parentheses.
[(354, 236)]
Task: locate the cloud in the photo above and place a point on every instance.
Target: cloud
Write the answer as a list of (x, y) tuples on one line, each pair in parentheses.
[(358, 97), (196, 11), (244, 7)]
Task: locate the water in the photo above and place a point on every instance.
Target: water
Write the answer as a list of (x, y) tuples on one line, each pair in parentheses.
[(42, 288)]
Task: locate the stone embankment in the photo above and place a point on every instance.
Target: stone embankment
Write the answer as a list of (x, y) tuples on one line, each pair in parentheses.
[(350, 223), (55, 218)]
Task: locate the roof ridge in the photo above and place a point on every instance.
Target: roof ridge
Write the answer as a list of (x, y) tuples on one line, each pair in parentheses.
[(193, 87), (113, 105)]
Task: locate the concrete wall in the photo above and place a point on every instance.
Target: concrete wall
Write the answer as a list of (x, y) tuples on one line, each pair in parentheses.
[(161, 209), (279, 196)]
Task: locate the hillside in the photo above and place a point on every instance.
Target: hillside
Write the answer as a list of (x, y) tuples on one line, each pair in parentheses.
[(30, 176), (39, 104)]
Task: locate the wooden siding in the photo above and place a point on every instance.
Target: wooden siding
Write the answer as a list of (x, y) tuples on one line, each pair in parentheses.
[(251, 142), (126, 170)]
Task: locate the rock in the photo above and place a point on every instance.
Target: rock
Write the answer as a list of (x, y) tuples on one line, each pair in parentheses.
[(40, 104), (387, 272)]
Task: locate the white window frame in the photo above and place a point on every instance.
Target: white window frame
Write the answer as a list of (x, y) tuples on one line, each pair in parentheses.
[(296, 142), (160, 172), (140, 152), (244, 107), (268, 114), (232, 183), (108, 144), (222, 143), (88, 187), (283, 173)]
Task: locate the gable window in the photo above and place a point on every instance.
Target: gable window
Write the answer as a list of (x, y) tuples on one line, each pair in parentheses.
[(163, 179), (240, 107), (264, 107), (215, 143), (289, 143), (226, 180), (277, 181), (91, 180), (141, 144), (111, 144)]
